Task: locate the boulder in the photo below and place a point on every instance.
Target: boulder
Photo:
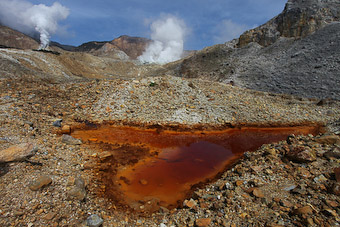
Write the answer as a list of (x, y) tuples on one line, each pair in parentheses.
[(40, 182), (18, 152), (70, 140), (329, 140), (301, 154)]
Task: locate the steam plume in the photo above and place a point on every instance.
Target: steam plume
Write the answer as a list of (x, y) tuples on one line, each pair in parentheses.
[(28, 18), (168, 39)]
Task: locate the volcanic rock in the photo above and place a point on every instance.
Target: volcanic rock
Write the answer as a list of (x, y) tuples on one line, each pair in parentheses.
[(15, 39), (289, 187), (330, 212), (77, 194), (79, 182), (332, 203), (299, 19), (203, 222), (57, 122), (70, 140), (335, 189), (132, 47), (301, 154), (40, 182), (189, 203), (17, 152), (143, 182), (320, 179), (83, 88), (49, 216), (287, 55), (286, 203), (94, 221), (335, 153), (258, 193), (306, 210), (337, 174), (329, 139), (78, 190), (103, 49), (66, 129), (299, 190)]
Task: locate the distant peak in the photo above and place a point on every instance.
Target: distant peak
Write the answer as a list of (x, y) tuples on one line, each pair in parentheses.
[(130, 38), (132, 46)]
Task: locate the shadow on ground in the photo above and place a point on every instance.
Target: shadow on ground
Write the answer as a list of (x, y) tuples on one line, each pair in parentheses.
[(4, 168)]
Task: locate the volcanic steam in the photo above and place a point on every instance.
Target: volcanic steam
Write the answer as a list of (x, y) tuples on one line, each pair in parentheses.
[(28, 18), (168, 35)]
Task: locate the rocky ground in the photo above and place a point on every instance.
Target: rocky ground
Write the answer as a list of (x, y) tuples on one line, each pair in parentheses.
[(296, 53), (45, 178), (283, 73), (305, 67)]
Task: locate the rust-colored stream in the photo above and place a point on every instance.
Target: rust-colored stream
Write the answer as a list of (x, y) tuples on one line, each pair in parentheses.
[(184, 158)]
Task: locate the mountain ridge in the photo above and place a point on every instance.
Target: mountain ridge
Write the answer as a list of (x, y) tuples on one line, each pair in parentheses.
[(299, 19), (15, 39), (132, 46), (244, 62), (65, 181), (125, 47), (256, 59)]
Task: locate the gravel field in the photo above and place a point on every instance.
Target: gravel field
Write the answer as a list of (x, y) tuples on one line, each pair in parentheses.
[(55, 185)]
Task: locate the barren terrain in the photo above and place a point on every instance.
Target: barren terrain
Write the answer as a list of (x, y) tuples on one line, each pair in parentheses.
[(51, 176), (29, 107)]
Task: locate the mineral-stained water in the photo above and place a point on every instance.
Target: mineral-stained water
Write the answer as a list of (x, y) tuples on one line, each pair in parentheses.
[(183, 160)]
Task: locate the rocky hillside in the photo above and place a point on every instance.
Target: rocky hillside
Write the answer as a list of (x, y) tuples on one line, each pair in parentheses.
[(132, 47), (45, 95), (302, 59), (294, 53), (300, 18), (15, 39), (19, 58), (124, 47), (66, 66)]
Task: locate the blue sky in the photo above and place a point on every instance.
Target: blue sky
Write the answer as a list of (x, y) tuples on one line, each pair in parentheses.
[(209, 21)]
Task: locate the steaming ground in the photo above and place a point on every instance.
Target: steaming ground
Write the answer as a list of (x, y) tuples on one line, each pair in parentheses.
[(291, 183), (31, 19), (168, 34)]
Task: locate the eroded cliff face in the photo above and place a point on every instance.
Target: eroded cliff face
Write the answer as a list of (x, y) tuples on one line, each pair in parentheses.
[(132, 46), (299, 19)]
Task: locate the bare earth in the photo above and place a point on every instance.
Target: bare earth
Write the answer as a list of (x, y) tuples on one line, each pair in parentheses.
[(285, 73), (266, 188)]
